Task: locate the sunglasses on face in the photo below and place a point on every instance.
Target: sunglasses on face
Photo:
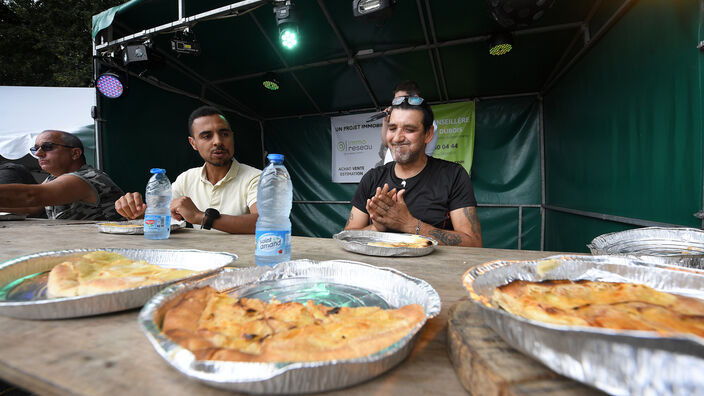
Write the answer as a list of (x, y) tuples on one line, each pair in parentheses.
[(412, 100), (46, 147)]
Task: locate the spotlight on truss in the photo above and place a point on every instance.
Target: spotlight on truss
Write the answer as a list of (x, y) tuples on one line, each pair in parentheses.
[(373, 10), (134, 53), (110, 85), (184, 42), (287, 22)]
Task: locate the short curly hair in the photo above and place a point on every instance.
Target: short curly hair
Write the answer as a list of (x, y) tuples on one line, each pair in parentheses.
[(202, 112)]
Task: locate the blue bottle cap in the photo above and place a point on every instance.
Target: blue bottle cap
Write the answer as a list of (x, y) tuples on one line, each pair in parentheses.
[(278, 158), (157, 170)]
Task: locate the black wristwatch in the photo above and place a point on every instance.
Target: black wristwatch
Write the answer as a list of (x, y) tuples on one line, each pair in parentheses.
[(208, 217)]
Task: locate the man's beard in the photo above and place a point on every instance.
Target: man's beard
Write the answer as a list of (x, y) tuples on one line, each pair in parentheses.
[(407, 157), (225, 162)]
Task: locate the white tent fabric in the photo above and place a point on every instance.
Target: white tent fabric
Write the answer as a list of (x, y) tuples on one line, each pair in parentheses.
[(27, 111)]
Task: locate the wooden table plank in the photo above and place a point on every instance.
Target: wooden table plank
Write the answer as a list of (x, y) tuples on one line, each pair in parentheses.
[(108, 354), (488, 366)]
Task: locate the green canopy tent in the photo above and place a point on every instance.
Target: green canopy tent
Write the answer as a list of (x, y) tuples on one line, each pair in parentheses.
[(591, 124)]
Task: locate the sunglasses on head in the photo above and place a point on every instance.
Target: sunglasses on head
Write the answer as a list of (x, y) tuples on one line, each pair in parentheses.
[(412, 100), (46, 147)]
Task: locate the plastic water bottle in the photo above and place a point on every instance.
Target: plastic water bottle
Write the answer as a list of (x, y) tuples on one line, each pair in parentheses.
[(157, 218), (274, 198)]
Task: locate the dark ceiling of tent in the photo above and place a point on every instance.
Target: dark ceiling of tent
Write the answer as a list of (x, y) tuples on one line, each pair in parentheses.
[(344, 64)]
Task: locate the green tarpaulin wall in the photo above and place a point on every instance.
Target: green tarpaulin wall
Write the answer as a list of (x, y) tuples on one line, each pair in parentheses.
[(622, 134)]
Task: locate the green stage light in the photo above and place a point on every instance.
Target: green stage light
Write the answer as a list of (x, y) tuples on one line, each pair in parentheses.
[(271, 81), (289, 37), (500, 49), (500, 43), (287, 22)]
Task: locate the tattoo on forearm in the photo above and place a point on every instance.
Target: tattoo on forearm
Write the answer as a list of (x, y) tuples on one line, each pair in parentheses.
[(446, 237), (471, 215), (349, 220)]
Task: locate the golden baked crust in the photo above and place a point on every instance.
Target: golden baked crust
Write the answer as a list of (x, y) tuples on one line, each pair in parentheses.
[(215, 326), (623, 306), (121, 225), (101, 271), (413, 241)]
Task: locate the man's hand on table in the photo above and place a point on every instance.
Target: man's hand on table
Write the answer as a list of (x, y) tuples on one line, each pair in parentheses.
[(184, 209), (131, 206)]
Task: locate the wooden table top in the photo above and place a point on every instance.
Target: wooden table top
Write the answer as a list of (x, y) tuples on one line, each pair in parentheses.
[(108, 354)]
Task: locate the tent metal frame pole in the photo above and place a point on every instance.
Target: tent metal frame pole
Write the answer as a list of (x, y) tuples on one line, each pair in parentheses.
[(351, 60), (96, 116), (181, 9), (543, 184), (520, 226), (616, 219), (220, 12), (518, 206), (536, 206), (203, 82), (443, 93), (261, 137), (427, 41), (370, 109), (404, 50), (700, 213), (617, 15), (178, 91), (323, 202), (575, 39)]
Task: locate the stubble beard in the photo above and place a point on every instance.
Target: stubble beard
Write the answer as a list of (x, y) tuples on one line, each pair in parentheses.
[(406, 157), (218, 163), (226, 162)]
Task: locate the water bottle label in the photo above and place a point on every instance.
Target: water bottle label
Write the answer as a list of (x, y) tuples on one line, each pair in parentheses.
[(156, 223), (273, 243)]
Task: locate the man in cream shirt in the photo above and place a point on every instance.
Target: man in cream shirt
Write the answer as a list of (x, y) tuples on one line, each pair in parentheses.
[(221, 194)]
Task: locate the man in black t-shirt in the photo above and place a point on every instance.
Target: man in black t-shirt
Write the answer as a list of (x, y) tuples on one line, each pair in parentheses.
[(416, 194)]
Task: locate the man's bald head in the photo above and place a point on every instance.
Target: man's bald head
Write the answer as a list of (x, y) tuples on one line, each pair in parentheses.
[(68, 139)]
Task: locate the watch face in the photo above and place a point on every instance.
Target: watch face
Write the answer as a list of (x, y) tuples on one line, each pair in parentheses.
[(210, 212)]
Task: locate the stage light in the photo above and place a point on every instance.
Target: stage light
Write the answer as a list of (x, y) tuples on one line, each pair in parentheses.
[(271, 81), (500, 43), (110, 85), (373, 10), (184, 42), (134, 53), (517, 13), (287, 22)]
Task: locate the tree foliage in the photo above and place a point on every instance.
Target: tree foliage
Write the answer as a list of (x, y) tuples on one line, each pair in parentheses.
[(48, 43)]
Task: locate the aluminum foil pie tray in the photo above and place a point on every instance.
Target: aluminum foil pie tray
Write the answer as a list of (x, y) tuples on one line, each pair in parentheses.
[(620, 362), (676, 246), (358, 242), (23, 282), (333, 283), (132, 227)]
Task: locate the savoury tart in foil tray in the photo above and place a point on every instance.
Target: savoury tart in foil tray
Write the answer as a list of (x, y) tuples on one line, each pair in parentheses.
[(23, 282), (385, 244), (616, 361), (334, 283)]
